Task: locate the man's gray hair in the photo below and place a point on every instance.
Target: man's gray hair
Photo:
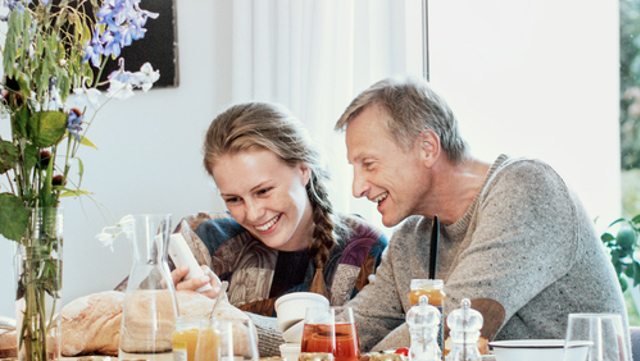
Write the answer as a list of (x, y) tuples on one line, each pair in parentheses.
[(413, 107)]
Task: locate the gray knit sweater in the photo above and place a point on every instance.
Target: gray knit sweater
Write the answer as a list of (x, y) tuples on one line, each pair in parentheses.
[(525, 241)]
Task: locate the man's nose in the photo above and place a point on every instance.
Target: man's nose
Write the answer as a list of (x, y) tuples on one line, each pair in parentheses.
[(360, 185)]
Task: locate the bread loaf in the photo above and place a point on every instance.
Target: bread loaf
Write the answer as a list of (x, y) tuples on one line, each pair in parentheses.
[(91, 324), (8, 344)]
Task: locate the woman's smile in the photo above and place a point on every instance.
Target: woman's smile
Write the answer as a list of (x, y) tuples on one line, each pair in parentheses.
[(266, 228)]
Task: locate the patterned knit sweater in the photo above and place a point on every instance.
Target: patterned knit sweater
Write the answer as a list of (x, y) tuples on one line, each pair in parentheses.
[(258, 275)]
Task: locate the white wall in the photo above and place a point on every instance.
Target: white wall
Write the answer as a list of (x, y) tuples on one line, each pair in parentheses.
[(550, 93)]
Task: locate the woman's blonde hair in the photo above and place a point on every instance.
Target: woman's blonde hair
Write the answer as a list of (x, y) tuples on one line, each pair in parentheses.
[(272, 127)]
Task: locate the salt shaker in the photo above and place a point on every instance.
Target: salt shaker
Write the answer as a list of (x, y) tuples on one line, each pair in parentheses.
[(465, 324), (424, 323)]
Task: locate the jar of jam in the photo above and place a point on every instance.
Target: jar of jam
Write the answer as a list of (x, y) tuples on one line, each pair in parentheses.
[(433, 289)]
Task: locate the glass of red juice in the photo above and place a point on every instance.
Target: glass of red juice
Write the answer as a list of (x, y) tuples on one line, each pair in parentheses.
[(331, 330)]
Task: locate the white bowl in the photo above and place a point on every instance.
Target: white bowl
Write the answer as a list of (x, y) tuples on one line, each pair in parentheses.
[(290, 351), (292, 307), (537, 350), (294, 333)]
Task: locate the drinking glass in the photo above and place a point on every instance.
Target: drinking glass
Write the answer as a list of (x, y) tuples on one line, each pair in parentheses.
[(208, 345), (596, 337), (331, 330), (237, 341), (185, 338)]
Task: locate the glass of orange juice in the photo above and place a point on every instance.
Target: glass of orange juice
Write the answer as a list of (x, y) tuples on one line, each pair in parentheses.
[(208, 343), (185, 338)]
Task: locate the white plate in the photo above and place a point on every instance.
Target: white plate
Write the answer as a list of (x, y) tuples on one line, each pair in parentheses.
[(537, 350), (535, 344)]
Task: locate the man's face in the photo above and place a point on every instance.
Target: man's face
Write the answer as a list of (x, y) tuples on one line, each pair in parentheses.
[(394, 179)]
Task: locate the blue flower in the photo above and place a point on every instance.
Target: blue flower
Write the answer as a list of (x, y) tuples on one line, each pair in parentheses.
[(111, 42), (15, 5), (120, 75), (74, 122), (93, 50), (124, 22)]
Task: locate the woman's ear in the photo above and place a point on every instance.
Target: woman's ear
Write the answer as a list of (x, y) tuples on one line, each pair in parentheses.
[(429, 147), (305, 173)]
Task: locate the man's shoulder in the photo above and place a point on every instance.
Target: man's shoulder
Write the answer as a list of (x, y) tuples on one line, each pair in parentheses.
[(523, 171), (506, 162)]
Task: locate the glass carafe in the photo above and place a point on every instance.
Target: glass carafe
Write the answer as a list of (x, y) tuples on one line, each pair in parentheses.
[(150, 308)]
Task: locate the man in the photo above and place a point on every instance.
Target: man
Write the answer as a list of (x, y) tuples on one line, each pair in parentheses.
[(511, 231)]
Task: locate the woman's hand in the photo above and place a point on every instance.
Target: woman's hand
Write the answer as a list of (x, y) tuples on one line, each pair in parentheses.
[(193, 284)]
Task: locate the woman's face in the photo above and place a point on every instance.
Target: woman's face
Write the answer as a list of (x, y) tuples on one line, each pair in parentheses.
[(267, 197)]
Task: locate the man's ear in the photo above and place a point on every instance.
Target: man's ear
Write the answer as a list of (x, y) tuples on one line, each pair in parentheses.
[(429, 147)]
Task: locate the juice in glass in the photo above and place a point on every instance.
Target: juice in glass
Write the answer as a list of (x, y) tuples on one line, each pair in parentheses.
[(209, 344), (320, 338), (185, 339)]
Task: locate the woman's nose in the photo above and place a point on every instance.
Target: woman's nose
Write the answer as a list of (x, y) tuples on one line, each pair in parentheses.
[(254, 210)]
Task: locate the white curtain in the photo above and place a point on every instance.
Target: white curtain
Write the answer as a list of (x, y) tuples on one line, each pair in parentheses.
[(314, 56)]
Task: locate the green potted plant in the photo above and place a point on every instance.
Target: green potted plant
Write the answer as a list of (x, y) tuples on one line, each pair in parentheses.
[(622, 247)]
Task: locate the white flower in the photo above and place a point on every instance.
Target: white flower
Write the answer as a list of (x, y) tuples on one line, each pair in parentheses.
[(119, 90), (146, 77), (110, 233), (55, 101), (84, 97)]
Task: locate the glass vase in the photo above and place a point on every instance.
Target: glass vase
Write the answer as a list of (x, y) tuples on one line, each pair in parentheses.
[(150, 308), (38, 276)]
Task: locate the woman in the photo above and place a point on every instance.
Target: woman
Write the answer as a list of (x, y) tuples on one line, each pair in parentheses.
[(280, 234)]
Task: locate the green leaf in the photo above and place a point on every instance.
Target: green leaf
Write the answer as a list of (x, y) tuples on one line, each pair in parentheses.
[(618, 253), (14, 217), (636, 219), (623, 283), (85, 141), (72, 193), (607, 237), (630, 271), (46, 128), (80, 168), (30, 157), (617, 221), (636, 273), (617, 265), (8, 156), (19, 121)]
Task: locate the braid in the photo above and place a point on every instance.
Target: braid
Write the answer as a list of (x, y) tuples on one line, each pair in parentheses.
[(273, 127), (323, 239)]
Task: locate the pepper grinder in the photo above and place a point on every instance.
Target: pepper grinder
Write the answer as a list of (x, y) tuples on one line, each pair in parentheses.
[(424, 323), (465, 324)]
